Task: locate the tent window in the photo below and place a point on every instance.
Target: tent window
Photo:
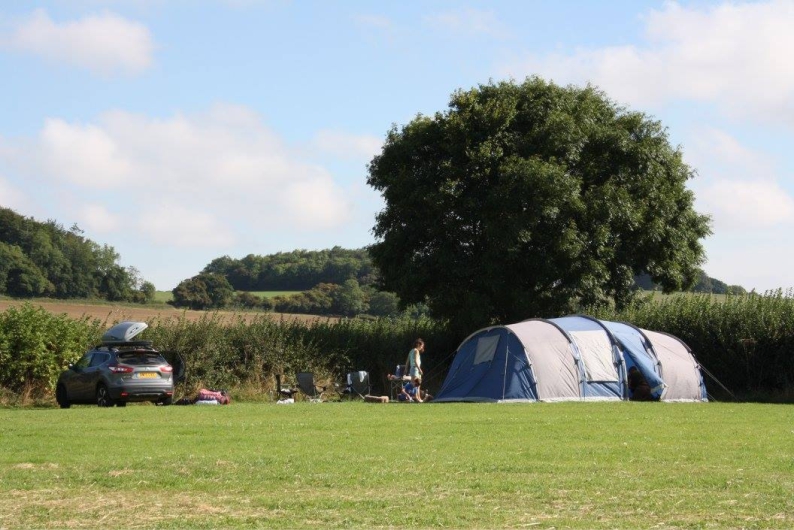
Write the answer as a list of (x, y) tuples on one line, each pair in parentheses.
[(597, 355), (486, 348)]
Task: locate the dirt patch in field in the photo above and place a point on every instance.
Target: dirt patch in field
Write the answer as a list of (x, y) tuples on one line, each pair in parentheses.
[(116, 313)]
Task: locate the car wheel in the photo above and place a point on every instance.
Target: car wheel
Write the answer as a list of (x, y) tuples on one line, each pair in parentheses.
[(61, 397), (103, 397)]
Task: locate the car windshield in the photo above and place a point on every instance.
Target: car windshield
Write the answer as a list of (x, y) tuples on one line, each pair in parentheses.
[(139, 358)]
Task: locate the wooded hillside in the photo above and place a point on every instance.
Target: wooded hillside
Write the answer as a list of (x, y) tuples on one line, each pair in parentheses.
[(44, 259), (299, 270)]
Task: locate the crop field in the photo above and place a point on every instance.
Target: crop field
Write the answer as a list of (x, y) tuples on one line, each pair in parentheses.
[(110, 312), (357, 465)]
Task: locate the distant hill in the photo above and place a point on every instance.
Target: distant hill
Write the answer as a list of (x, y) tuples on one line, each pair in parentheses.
[(42, 259), (299, 270), (705, 284)]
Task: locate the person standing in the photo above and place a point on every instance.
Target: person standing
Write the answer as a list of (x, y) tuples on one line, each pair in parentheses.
[(415, 359)]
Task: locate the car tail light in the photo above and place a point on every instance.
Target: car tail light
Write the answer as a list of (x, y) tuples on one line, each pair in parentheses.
[(121, 369), (167, 368)]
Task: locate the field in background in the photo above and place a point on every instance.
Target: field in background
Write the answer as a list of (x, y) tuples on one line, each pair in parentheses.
[(163, 297), (166, 296), (110, 312), (273, 294), (356, 465)]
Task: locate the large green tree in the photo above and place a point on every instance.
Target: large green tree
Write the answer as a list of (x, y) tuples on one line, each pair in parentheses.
[(204, 291), (531, 199)]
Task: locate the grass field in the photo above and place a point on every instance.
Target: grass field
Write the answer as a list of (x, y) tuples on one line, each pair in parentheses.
[(167, 296), (356, 465)]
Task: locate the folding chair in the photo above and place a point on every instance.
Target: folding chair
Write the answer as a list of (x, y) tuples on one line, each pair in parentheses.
[(357, 385), (284, 391), (307, 385), (397, 380)]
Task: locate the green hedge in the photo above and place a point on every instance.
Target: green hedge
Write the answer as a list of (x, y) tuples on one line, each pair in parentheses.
[(745, 341), (35, 346)]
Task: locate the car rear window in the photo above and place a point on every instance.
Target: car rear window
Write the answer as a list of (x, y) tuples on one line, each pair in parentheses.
[(141, 358)]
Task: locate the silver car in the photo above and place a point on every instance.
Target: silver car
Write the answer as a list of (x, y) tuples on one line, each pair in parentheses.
[(120, 370)]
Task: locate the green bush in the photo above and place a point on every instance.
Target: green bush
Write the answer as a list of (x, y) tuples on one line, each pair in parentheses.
[(35, 346)]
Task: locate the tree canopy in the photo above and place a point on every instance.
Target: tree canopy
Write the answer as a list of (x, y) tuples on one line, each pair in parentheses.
[(298, 270), (529, 200), (203, 291), (44, 259)]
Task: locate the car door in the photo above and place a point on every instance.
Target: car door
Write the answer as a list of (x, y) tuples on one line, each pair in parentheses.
[(93, 374), (177, 363), (75, 382)]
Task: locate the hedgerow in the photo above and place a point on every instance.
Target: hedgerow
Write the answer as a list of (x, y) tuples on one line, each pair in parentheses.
[(746, 342)]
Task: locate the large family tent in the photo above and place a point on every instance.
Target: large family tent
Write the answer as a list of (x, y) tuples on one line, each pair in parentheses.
[(570, 358)]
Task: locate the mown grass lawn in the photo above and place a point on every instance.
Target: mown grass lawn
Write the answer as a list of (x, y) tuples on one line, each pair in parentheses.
[(356, 465)]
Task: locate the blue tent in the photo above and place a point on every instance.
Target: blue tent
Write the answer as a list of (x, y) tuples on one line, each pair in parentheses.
[(570, 358)]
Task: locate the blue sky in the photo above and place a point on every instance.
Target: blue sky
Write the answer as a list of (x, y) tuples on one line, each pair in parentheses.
[(180, 131)]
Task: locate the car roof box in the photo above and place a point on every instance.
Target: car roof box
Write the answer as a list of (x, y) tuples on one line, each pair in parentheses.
[(123, 332)]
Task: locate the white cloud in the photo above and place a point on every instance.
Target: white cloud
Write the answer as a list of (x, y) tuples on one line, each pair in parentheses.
[(317, 201), (759, 263), (747, 204), (106, 43), (734, 54), (191, 180), (83, 154), (469, 21), (739, 187), (98, 218), (11, 197), (169, 223), (347, 146)]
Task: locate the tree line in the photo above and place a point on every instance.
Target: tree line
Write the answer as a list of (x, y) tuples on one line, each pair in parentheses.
[(43, 259), (331, 281), (334, 281), (210, 290), (299, 270)]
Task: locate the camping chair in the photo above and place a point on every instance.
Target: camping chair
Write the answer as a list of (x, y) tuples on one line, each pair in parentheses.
[(307, 385), (357, 385), (397, 380), (284, 391)]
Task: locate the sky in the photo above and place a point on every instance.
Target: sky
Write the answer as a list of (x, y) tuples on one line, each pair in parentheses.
[(180, 131)]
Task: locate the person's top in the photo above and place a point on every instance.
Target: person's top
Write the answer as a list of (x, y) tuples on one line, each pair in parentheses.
[(414, 362)]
